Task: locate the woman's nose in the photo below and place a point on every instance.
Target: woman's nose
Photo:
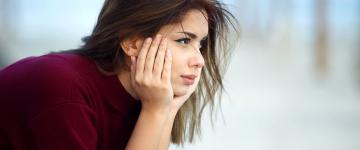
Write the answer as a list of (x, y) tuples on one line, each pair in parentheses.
[(197, 60)]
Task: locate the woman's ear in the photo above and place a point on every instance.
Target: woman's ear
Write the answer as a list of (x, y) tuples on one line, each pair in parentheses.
[(131, 47)]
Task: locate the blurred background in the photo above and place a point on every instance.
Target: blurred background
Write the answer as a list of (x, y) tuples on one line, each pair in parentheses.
[(293, 82)]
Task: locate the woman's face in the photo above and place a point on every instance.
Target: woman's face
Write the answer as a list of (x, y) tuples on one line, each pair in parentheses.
[(185, 41)]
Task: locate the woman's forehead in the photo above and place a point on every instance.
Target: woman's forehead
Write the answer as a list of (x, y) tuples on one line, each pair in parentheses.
[(194, 21)]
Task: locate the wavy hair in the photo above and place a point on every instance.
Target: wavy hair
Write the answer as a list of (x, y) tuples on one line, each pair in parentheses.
[(122, 19)]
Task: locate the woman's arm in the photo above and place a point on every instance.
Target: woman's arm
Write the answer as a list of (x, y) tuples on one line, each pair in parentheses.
[(148, 130), (166, 134), (150, 77)]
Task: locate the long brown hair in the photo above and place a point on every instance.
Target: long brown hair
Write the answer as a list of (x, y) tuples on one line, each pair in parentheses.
[(122, 19)]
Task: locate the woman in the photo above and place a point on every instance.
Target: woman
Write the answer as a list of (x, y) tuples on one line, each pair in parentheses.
[(141, 80)]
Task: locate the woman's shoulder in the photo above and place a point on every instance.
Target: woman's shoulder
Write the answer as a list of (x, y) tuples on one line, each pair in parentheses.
[(48, 79), (60, 65), (52, 73)]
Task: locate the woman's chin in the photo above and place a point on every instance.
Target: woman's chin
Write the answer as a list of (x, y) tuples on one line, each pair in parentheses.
[(183, 90), (178, 93)]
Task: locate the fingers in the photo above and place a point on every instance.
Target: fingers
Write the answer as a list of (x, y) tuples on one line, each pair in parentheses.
[(159, 60), (154, 60), (133, 69), (150, 57), (150, 74), (166, 73), (140, 63)]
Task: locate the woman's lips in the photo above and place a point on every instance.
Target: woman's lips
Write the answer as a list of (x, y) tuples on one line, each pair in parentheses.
[(188, 79)]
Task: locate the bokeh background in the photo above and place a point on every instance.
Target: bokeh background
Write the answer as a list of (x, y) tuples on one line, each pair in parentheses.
[(293, 82)]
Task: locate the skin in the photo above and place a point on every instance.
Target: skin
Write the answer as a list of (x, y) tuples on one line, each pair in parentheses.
[(157, 65), (187, 57)]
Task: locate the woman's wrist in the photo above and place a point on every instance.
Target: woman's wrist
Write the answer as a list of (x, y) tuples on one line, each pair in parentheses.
[(156, 111), (161, 113)]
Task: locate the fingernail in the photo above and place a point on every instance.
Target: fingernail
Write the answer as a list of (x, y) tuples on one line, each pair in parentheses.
[(148, 39)]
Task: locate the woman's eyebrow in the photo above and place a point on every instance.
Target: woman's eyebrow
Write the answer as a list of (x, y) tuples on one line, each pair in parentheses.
[(191, 35)]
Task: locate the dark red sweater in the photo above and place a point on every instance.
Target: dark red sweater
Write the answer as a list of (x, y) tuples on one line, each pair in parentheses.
[(62, 102)]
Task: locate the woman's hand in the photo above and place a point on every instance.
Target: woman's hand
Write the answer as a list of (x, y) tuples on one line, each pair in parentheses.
[(151, 75)]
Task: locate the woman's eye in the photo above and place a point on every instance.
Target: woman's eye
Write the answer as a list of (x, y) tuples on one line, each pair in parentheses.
[(183, 41)]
